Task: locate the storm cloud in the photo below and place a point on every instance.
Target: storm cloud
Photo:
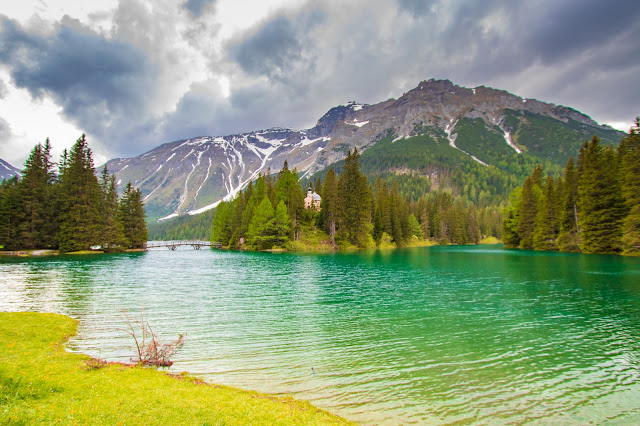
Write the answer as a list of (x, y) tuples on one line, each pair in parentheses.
[(163, 73)]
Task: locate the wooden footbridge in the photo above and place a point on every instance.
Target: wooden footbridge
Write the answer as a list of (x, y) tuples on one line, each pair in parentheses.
[(172, 245)]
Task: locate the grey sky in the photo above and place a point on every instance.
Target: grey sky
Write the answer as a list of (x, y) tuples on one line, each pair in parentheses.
[(139, 74)]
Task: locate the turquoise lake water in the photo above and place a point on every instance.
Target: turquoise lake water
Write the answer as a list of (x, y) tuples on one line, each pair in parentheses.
[(427, 335)]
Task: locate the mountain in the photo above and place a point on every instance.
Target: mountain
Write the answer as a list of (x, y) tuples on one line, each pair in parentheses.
[(7, 170), (440, 133)]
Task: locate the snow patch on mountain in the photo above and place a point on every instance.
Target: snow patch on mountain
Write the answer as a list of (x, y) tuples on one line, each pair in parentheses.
[(507, 138), (452, 141)]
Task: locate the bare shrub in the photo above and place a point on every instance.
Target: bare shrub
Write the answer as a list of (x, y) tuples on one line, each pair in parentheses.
[(150, 350), (95, 363)]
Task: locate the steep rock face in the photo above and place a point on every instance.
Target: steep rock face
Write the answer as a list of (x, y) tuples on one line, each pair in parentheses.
[(7, 171), (193, 175)]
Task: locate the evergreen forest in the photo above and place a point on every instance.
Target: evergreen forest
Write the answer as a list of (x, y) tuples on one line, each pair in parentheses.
[(270, 213), (66, 207), (594, 207)]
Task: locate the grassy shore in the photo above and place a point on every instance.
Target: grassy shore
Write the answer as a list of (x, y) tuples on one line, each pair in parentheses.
[(42, 383)]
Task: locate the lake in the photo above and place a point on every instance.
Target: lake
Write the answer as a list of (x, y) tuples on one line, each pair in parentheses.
[(425, 335)]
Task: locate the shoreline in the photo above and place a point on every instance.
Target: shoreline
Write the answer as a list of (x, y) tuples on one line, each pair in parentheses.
[(324, 248), (51, 252), (44, 383)]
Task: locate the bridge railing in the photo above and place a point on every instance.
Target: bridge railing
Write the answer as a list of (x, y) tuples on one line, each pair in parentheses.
[(172, 245)]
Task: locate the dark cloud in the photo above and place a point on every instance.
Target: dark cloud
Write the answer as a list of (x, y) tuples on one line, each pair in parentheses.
[(196, 7), (281, 48), (568, 28), (291, 67), (370, 52), (95, 80), (270, 49)]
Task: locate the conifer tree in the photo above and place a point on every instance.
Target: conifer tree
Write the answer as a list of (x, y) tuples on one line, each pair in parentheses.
[(528, 210), (473, 227), (599, 199), (112, 235), (377, 227), (544, 236), (281, 225), (221, 229), (288, 191), (11, 213), (131, 214), (355, 201), (329, 205), (629, 151), (260, 233), (80, 199), (511, 217), (237, 209), (415, 227), (569, 235), (395, 216)]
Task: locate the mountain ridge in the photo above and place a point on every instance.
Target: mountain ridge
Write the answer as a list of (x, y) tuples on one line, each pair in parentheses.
[(491, 126)]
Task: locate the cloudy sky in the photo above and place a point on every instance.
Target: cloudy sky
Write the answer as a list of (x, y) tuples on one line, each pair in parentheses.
[(133, 74)]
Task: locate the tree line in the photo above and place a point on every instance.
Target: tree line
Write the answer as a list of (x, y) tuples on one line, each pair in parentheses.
[(66, 207), (270, 213), (594, 207)]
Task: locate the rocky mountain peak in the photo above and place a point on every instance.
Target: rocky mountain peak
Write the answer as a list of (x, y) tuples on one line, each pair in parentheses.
[(193, 175)]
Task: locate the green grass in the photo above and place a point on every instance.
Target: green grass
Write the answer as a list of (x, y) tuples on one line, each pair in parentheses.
[(312, 239), (42, 383), (490, 240)]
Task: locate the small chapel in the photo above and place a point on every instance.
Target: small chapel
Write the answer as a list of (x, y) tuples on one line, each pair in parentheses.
[(312, 200)]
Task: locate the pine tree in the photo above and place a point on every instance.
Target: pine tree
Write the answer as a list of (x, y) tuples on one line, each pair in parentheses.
[(11, 213), (281, 225), (377, 227), (37, 228), (600, 199), (132, 216), (629, 151), (473, 227), (288, 191), (569, 236), (354, 194), (80, 200), (221, 229), (511, 217), (415, 227), (329, 205), (260, 234), (528, 210), (112, 235), (544, 236)]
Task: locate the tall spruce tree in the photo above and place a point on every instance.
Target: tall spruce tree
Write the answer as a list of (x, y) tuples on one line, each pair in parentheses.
[(528, 210), (544, 235), (11, 213), (355, 201), (569, 236), (329, 205), (80, 200), (599, 199), (131, 215), (281, 225), (112, 232), (260, 234), (629, 151), (288, 191), (221, 226)]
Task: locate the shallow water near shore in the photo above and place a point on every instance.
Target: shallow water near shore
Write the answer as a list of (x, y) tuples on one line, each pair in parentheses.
[(425, 335)]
